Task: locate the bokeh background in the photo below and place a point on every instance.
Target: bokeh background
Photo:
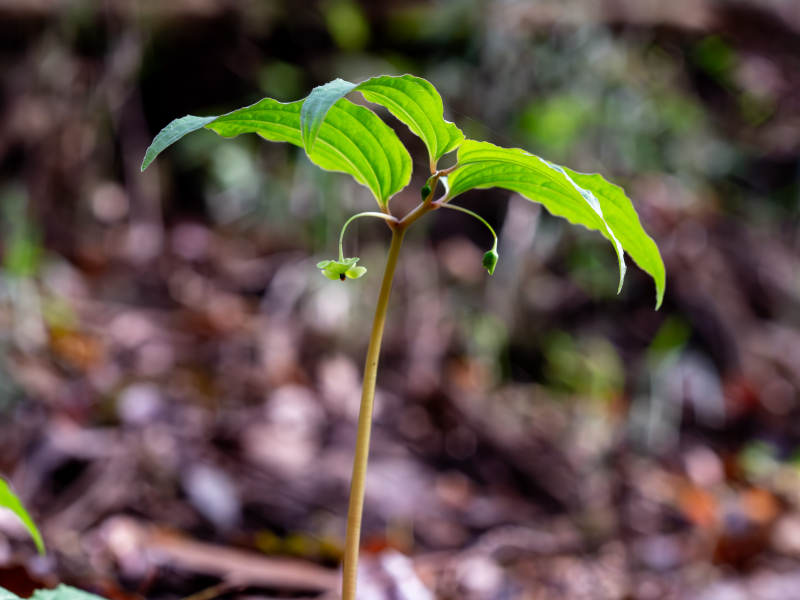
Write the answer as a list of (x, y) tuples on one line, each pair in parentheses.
[(179, 385)]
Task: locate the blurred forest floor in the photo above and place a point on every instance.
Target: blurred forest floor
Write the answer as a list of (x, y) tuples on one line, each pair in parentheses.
[(179, 386)]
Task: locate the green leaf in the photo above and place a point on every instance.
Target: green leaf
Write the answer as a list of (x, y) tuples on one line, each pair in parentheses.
[(6, 595), (413, 100), (586, 200), (63, 592), (621, 215), (171, 134), (352, 140), (316, 107), (10, 500)]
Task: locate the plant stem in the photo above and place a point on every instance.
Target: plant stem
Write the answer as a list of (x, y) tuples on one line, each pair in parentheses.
[(359, 480), (358, 483)]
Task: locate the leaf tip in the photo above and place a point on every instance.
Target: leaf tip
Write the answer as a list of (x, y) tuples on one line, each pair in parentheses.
[(659, 295), (148, 158), (623, 268), (40, 546)]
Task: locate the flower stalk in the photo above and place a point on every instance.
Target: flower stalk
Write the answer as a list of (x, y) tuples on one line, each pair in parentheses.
[(385, 216), (491, 257)]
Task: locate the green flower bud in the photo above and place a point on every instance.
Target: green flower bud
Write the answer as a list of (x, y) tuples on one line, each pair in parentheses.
[(490, 260), (425, 192)]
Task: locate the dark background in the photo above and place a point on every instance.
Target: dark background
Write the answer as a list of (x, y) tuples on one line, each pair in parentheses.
[(178, 382)]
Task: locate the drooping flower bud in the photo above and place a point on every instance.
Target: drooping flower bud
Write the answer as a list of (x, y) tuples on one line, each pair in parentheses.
[(490, 260)]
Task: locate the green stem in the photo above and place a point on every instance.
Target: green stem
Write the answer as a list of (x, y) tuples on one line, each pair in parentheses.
[(364, 214), (358, 484), (469, 212), (446, 172)]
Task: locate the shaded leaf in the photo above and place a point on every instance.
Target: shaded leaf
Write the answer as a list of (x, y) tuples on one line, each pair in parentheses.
[(587, 200), (413, 100), (10, 500), (171, 134), (316, 107)]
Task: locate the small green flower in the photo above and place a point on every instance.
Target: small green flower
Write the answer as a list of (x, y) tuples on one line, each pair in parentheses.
[(340, 269)]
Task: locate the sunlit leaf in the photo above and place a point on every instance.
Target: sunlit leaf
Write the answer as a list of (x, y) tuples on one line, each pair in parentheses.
[(620, 214), (587, 200), (413, 100), (352, 140), (10, 500)]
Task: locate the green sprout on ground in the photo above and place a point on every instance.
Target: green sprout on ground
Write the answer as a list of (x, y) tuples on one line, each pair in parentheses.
[(338, 135), (11, 501)]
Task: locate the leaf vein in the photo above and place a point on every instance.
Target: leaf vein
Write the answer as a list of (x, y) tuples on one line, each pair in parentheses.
[(410, 118)]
